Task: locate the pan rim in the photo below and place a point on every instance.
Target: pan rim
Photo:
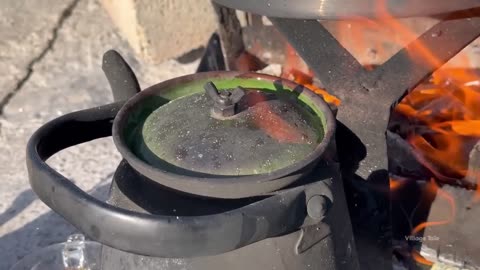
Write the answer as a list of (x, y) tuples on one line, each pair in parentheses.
[(165, 177)]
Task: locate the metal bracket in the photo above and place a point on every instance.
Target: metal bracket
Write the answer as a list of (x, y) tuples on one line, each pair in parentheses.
[(367, 97)]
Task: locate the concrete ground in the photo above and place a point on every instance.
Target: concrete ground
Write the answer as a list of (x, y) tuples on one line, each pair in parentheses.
[(50, 63)]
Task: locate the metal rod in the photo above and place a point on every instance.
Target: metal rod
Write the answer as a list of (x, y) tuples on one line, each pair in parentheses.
[(230, 32), (212, 59), (404, 71), (334, 66)]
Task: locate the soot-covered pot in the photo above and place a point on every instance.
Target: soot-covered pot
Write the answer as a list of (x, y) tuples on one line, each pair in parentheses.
[(233, 150)]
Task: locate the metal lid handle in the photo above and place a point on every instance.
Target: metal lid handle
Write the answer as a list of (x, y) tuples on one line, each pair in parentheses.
[(225, 101)]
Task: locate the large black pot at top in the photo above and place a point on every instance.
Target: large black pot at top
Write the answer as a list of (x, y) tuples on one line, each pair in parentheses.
[(175, 134)]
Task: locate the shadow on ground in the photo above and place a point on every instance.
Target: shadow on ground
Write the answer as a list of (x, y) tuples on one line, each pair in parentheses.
[(43, 231), (21, 202)]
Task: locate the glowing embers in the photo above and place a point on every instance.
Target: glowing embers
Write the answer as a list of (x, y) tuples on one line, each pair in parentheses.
[(295, 69)]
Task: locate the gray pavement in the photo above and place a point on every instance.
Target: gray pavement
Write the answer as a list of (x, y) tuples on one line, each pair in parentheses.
[(50, 58)]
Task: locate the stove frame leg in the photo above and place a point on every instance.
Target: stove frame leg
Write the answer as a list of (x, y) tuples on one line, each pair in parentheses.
[(230, 33), (213, 59)]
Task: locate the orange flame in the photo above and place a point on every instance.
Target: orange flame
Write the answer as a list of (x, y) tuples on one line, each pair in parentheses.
[(395, 184), (444, 116), (433, 188), (447, 117), (307, 81), (294, 69), (420, 259)]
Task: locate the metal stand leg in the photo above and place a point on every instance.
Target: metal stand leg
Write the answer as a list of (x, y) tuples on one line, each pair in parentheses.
[(230, 32)]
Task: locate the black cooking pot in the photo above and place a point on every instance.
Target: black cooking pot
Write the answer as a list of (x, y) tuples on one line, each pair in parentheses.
[(228, 116)]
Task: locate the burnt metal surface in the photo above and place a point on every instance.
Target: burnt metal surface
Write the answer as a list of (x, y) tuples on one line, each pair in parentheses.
[(333, 65), (342, 9), (120, 76)]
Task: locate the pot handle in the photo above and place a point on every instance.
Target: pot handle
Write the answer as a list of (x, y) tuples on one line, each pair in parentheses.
[(140, 233), (120, 76)]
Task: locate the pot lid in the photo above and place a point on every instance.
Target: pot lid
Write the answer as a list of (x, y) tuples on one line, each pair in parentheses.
[(229, 132)]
